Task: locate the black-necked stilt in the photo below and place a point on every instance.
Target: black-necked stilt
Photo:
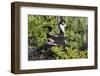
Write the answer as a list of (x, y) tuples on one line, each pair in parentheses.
[(60, 38)]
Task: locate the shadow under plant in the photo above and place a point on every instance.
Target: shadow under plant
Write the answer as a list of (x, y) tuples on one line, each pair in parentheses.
[(57, 37)]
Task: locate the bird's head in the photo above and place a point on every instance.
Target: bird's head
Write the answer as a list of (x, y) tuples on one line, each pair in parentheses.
[(62, 21)]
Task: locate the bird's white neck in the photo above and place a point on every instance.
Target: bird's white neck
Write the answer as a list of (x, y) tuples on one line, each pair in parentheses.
[(63, 28)]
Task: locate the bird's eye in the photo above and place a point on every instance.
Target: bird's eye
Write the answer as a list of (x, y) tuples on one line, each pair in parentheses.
[(63, 22)]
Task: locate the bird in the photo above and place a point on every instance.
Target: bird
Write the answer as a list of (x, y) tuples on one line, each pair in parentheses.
[(62, 24), (60, 38)]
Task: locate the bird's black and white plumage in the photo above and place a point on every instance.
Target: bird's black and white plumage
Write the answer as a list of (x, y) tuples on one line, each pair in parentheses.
[(58, 39), (62, 25)]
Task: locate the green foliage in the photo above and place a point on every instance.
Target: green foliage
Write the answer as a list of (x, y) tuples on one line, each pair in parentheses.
[(75, 32), (36, 30), (68, 53), (60, 53)]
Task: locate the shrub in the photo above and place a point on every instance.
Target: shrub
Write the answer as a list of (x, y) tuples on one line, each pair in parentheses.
[(74, 32)]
